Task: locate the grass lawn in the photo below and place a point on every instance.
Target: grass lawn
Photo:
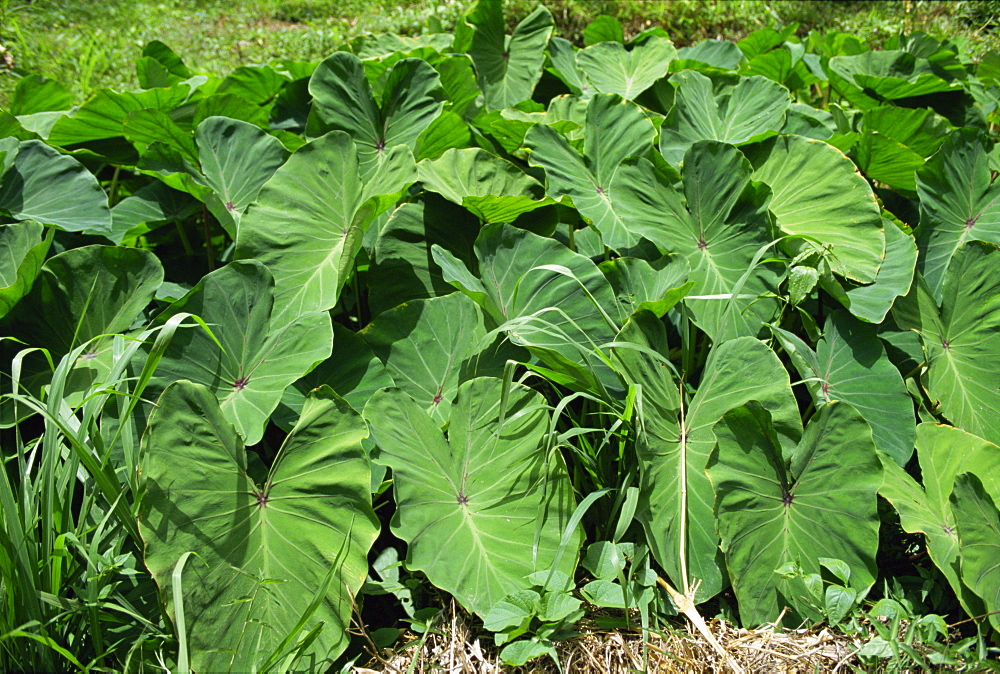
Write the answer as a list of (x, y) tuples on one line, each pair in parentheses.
[(87, 44)]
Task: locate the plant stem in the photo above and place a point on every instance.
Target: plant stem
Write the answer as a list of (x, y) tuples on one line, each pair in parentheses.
[(113, 190), (684, 494), (685, 604), (184, 238), (209, 252)]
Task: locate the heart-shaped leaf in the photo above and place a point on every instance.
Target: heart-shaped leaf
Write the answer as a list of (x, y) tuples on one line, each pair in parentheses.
[(959, 202), (236, 160), (431, 346), (55, 189), (84, 293), (979, 541), (615, 129), (817, 192), (721, 226), (774, 512), (508, 66), (554, 302), (324, 208), (257, 360), (961, 338), (492, 188), (264, 552), (103, 116), (675, 497), (612, 69), (486, 507), (734, 114), (869, 79), (944, 452), (343, 100), (849, 364)]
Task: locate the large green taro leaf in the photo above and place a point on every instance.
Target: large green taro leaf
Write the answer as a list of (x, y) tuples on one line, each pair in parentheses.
[(343, 100), (720, 225), (258, 360), (384, 44), (676, 497), (224, 165), (721, 54), (103, 116), (869, 79), (958, 203), (149, 207), (895, 141), (547, 298), (774, 512), (37, 93), (849, 364), (236, 160), (232, 106), (353, 372), (484, 508), (494, 189), (961, 338), (22, 251), (9, 147), (44, 185), (458, 77), (562, 55), (310, 218), (160, 66), (84, 293), (979, 541), (403, 268), (944, 452), (817, 192), (263, 552), (872, 302), (612, 69), (615, 129), (640, 285), (155, 133), (431, 346), (508, 66), (446, 132), (736, 114)]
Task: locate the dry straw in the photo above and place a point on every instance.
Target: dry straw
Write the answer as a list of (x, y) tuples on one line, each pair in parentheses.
[(457, 648)]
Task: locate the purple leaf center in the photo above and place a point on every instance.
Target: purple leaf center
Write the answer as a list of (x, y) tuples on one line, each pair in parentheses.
[(462, 499), (786, 497), (241, 383)]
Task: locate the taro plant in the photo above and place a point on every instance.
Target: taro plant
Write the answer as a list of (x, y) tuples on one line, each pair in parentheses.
[(637, 325)]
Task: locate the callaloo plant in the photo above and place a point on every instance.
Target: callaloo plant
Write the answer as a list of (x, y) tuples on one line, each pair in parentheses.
[(640, 326)]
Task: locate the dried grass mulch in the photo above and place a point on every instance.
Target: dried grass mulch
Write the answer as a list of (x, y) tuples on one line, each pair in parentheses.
[(455, 648)]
